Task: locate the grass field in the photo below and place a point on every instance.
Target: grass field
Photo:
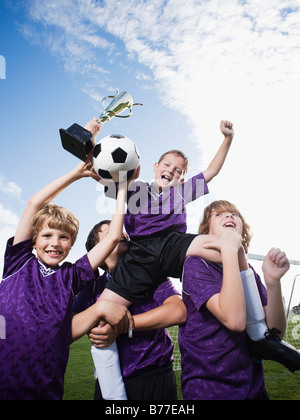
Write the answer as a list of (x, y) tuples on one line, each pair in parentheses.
[(79, 380)]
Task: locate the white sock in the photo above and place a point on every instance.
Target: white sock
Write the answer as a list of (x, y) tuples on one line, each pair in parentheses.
[(256, 325), (107, 365)]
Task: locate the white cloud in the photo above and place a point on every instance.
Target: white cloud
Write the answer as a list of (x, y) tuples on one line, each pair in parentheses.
[(64, 27), (8, 224), (10, 188), (7, 217), (5, 234), (213, 59)]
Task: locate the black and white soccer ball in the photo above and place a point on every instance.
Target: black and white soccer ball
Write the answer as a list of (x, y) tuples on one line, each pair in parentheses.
[(115, 156)]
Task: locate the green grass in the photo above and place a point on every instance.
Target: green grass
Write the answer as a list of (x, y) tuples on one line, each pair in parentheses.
[(79, 380)]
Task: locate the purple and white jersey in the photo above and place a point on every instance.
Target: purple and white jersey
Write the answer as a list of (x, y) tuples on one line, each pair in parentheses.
[(36, 303), (216, 364), (149, 213)]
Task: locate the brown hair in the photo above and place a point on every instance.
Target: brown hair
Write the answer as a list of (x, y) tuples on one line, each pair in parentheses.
[(178, 153), (93, 238), (223, 206), (55, 217)]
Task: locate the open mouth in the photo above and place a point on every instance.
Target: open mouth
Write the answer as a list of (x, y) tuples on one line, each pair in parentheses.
[(230, 225), (166, 178), (54, 253)]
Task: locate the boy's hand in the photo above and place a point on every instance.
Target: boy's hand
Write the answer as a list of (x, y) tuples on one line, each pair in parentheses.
[(243, 263), (93, 127), (226, 128), (275, 266), (124, 184), (118, 316), (103, 335), (85, 169), (135, 175), (227, 240)]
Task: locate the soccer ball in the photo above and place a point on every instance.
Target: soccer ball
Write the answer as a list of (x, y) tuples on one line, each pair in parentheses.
[(115, 155)]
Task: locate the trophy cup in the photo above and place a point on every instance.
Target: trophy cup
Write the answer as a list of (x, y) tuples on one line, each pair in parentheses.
[(79, 141)]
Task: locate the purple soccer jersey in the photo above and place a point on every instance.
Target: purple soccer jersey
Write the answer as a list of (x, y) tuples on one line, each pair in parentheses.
[(216, 364), (146, 349), (36, 303), (150, 213)]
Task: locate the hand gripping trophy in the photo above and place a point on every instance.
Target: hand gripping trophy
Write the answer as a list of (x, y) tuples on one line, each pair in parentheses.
[(79, 141)]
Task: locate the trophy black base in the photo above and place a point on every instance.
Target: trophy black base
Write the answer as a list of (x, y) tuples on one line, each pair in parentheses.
[(77, 140)]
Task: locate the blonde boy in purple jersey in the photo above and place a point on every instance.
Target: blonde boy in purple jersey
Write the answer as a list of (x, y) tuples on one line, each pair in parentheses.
[(36, 292)]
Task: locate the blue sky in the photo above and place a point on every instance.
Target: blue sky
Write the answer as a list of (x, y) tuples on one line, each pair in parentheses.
[(191, 64)]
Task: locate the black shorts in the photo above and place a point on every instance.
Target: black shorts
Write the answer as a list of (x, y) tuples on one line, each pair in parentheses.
[(147, 262), (155, 384)]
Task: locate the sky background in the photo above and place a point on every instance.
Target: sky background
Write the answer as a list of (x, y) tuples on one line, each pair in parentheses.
[(191, 64)]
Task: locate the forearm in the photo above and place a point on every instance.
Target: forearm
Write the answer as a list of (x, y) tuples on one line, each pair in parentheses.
[(275, 266), (48, 193), (173, 312), (117, 222), (105, 247), (39, 200), (218, 161), (229, 305), (232, 300), (275, 313), (198, 248), (83, 322)]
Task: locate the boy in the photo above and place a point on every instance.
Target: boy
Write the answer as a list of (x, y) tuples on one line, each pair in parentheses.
[(36, 293), (146, 359), (216, 363), (156, 224)]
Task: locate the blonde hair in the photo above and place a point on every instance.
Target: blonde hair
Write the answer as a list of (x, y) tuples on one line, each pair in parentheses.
[(223, 206), (180, 154), (55, 217)]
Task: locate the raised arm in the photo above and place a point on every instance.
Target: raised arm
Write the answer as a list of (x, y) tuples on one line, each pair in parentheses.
[(105, 247), (48, 193), (216, 164), (44, 197), (275, 266)]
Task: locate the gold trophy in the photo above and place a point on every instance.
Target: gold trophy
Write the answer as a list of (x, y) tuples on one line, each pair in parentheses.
[(79, 141)]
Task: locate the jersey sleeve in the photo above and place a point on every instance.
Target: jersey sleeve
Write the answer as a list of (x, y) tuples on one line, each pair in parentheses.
[(16, 256), (194, 188), (81, 273), (89, 295), (84, 299), (199, 281), (164, 291)]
